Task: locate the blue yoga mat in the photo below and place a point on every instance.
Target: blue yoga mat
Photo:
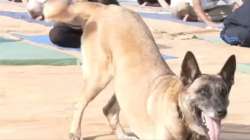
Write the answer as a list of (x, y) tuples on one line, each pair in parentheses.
[(153, 15), (23, 16), (169, 17), (42, 39), (168, 57)]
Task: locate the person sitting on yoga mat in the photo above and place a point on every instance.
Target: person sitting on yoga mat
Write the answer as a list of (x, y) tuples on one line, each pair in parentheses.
[(208, 11), (62, 34)]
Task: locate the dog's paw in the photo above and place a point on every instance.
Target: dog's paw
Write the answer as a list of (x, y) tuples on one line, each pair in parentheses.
[(127, 137), (73, 136), (122, 135), (113, 122)]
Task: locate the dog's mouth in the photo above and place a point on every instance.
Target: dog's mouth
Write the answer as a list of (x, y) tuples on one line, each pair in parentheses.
[(211, 124)]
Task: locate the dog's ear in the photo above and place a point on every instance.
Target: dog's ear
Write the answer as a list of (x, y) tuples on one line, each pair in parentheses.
[(228, 70), (189, 69)]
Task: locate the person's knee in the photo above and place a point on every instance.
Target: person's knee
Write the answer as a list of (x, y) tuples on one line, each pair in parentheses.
[(65, 36), (110, 2), (55, 35)]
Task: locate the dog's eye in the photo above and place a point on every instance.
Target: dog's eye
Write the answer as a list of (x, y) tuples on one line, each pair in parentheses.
[(205, 93)]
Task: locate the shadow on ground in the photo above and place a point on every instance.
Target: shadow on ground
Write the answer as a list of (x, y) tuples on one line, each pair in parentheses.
[(96, 136), (229, 132)]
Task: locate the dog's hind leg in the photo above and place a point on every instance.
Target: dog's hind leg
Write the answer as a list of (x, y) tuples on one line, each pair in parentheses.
[(90, 91), (97, 74), (92, 86)]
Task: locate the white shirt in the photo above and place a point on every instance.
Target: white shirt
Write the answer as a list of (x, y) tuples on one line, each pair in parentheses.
[(206, 4)]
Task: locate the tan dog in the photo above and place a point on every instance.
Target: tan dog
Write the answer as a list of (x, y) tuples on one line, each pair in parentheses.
[(117, 45)]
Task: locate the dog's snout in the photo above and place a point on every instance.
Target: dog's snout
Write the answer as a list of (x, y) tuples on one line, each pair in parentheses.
[(221, 113)]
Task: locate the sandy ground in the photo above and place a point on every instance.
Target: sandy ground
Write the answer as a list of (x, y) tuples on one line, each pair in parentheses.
[(37, 102)]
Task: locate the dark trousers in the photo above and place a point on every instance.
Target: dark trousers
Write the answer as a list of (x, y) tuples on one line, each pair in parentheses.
[(65, 36)]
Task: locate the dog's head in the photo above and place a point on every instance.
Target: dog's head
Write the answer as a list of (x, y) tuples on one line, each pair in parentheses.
[(39, 9), (204, 100)]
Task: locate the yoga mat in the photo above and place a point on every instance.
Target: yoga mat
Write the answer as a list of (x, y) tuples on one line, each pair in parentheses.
[(15, 52), (168, 57), (23, 16), (211, 38), (244, 68), (169, 17), (42, 39), (166, 15), (129, 2)]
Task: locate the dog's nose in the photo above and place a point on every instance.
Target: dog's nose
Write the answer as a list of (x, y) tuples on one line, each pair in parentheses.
[(221, 113)]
